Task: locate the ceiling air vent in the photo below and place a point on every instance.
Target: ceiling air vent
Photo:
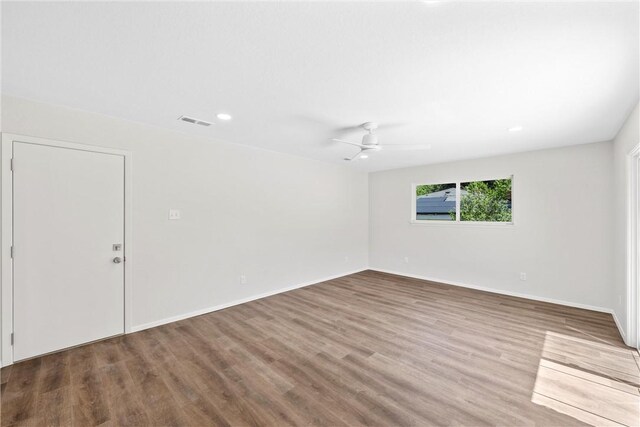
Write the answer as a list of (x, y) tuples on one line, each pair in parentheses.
[(194, 121)]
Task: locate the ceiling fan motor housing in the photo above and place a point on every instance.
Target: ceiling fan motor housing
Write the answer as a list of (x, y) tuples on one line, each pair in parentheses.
[(370, 139)]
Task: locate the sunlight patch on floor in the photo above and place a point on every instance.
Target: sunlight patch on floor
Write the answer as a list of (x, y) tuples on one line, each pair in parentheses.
[(594, 382)]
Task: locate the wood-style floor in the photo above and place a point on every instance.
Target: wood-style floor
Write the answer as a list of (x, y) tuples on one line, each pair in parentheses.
[(366, 349)]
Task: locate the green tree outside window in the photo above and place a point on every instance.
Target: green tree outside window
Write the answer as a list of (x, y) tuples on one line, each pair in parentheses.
[(488, 201)]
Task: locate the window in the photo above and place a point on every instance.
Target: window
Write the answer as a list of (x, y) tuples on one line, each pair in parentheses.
[(436, 202), (482, 202), (486, 201)]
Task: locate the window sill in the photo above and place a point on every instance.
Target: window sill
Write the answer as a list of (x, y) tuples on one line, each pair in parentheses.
[(436, 223)]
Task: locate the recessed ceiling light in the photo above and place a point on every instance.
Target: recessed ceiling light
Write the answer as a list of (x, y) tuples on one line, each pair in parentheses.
[(515, 129), (364, 156), (224, 116)]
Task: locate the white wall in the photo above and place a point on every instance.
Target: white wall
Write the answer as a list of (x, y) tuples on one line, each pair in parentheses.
[(625, 141), (562, 237), (281, 220), (242, 212)]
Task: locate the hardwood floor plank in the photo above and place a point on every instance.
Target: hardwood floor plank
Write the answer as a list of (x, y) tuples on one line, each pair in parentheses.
[(612, 403), (55, 407), (125, 405), (55, 372), (89, 398), (18, 401), (369, 349)]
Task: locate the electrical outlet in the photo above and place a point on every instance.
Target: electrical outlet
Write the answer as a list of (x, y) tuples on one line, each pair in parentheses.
[(243, 279), (174, 214), (523, 276), (406, 260)]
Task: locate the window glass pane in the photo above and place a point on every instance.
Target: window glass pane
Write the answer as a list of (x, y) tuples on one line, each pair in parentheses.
[(436, 202), (488, 201)]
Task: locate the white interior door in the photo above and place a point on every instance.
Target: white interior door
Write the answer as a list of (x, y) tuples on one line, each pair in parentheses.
[(68, 212)]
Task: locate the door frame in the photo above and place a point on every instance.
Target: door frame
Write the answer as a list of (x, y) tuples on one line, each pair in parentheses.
[(6, 227), (633, 252)]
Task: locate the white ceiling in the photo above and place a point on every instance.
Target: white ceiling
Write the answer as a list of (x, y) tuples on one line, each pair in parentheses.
[(453, 75)]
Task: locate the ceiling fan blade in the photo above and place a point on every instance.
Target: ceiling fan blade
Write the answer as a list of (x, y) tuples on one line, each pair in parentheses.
[(327, 124), (384, 125), (348, 142), (354, 157), (351, 128), (392, 125), (406, 147)]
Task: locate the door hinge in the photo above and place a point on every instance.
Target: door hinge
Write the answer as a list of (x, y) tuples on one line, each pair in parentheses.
[(12, 252), (11, 165), (11, 338)]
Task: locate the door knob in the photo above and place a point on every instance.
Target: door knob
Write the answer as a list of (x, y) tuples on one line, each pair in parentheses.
[(117, 260)]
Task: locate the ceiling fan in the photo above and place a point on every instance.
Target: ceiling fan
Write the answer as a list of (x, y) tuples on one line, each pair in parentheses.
[(370, 143)]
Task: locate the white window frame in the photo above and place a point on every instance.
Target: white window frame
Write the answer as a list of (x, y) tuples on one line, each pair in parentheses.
[(458, 222)]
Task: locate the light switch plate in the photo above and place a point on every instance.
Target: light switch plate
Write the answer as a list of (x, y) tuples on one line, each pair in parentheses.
[(174, 214)]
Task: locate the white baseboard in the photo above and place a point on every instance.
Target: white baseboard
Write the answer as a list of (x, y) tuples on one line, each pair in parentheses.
[(619, 325), (498, 291), (164, 321)]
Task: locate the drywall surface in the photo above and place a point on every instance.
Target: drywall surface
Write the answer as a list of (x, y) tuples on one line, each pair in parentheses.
[(561, 237), (277, 219), (625, 141)]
